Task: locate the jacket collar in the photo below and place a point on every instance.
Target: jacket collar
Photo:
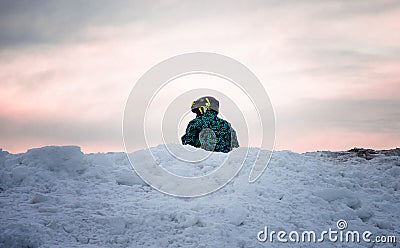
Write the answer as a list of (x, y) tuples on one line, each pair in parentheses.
[(210, 113)]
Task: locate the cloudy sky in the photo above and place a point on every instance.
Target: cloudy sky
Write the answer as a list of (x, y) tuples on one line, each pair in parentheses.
[(331, 68)]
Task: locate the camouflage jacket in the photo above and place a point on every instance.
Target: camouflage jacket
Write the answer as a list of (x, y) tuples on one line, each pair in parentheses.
[(210, 133)]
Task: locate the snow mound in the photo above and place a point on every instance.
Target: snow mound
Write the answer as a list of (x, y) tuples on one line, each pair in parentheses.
[(57, 159), (169, 158), (60, 197), (346, 196)]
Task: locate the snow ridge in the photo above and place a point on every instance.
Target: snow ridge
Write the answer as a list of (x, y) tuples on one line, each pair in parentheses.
[(58, 196)]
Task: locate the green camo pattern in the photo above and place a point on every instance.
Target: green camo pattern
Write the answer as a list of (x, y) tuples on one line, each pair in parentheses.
[(210, 133)]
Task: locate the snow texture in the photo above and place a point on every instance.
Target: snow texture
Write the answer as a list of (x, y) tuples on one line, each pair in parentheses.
[(60, 197)]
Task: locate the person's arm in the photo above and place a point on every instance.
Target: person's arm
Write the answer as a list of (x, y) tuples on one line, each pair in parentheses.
[(191, 137), (234, 141)]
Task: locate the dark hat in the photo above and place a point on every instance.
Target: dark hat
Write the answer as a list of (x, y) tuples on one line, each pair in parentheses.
[(205, 101)]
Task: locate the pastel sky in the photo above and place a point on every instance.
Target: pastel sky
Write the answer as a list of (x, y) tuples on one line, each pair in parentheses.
[(331, 68)]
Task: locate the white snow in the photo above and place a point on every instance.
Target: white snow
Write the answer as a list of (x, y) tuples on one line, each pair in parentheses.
[(60, 197)]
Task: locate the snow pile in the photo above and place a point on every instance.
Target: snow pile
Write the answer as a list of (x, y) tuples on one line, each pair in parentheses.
[(58, 196)]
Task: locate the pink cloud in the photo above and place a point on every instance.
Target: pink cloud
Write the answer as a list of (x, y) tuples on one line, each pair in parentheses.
[(297, 52), (334, 140)]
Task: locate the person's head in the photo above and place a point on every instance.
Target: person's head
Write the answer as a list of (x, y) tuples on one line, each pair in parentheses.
[(201, 105)]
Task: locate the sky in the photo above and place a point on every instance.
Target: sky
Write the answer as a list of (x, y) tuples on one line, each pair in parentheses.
[(331, 68)]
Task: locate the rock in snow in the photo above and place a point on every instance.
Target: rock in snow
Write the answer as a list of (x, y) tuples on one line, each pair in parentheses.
[(60, 197)]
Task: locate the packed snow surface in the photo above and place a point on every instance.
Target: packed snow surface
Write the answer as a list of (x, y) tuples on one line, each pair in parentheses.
[(60, 197)]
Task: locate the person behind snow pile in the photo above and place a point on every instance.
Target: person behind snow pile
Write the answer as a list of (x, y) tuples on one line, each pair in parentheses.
[(207, 130)]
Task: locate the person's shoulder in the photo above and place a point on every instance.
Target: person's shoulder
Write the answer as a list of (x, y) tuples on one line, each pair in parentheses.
[(196, 120), (224, 121)]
